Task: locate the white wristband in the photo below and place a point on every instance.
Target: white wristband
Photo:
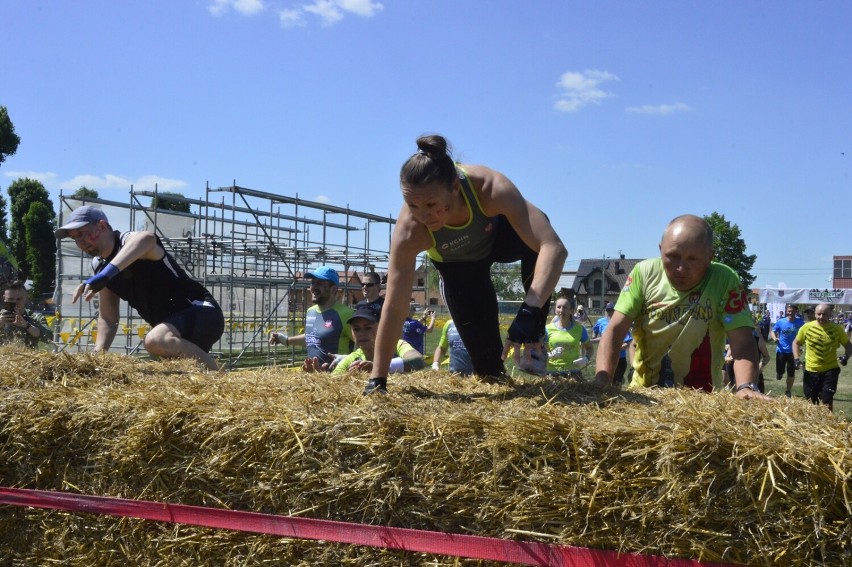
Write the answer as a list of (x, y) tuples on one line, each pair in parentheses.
[(397, 366)]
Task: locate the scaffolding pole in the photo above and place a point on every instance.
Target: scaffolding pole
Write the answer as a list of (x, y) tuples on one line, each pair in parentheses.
[(251, 254)]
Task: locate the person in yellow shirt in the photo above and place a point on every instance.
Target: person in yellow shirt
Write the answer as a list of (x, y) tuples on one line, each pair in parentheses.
[(822, 338), (365, 325)]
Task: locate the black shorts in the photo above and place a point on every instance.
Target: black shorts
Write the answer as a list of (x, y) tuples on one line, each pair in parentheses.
[(785, 360), (202, 324), (821, 386)]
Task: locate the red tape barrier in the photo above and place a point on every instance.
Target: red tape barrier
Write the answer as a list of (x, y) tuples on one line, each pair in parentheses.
[(458, 545)]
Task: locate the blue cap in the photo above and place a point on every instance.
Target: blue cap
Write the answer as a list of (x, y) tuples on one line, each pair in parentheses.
[(610, 307), (325, 273), (80, 217)]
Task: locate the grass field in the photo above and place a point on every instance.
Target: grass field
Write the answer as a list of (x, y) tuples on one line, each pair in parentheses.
[(842, 399)]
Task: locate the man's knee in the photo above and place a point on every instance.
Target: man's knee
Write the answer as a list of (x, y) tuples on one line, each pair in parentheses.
[(161, 341)]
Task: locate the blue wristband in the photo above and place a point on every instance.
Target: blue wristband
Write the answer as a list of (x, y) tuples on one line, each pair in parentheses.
[(99, 280)]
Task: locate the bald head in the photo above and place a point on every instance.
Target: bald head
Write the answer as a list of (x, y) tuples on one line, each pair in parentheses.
[(692, 228), (686, 250), (824, 311)]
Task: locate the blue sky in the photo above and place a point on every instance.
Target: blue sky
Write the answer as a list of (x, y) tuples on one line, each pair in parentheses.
[(612, 117)]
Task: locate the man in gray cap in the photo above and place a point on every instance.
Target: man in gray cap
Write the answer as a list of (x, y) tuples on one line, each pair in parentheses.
[(185, 319)]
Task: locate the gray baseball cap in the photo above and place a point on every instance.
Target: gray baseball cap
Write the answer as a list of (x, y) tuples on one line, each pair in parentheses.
[(80, 217)]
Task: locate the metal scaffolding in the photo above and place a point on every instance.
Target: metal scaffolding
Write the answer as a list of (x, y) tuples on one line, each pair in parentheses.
[(249, 248)]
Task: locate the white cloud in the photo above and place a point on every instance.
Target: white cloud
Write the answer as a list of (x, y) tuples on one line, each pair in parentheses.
[(245, 7), (581, 89), (162, 183), (218, 7), (291, 18), (109, 181), (46, 177), (660, 109), (329, 12), (322, 199), (364, 8)]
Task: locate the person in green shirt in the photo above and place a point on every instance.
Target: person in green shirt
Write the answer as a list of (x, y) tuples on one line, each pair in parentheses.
[(364, 325), (567, 341), (683, 305)]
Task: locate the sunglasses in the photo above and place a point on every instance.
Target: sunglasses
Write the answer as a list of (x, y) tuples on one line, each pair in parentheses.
[(367, 284)]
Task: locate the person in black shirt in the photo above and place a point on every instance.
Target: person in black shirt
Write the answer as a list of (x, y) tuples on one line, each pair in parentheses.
[(186, 321), (371, 284)]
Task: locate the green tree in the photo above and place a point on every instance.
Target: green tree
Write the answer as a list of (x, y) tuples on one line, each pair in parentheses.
[(41, 247), (507, 282), (84, 193), (8, 139), (23, 193), (730, 248), (170, 202), (4, 226)]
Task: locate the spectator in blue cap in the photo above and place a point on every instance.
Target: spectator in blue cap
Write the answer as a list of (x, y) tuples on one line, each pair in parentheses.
[(327, 331)]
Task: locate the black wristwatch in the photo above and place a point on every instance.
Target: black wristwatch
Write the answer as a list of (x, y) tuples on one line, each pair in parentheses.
[(748, 386)]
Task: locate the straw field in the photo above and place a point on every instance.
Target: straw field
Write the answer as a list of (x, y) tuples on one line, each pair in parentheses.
[(675, 473)]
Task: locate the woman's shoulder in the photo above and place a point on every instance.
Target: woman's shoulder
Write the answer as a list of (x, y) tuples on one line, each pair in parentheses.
[(484, 179), (496, 192)]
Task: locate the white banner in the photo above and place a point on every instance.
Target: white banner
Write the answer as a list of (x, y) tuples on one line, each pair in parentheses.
[(799, 296)]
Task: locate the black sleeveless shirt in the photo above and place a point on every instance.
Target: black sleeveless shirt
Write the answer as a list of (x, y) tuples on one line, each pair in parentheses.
[(156, 289)]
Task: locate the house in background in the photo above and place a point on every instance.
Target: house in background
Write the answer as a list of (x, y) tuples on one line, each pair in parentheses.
[(424, 294), (565, 285), (842, 275), (599, 281)]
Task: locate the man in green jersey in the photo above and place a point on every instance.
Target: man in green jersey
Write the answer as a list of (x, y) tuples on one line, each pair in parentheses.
[(683, 305)]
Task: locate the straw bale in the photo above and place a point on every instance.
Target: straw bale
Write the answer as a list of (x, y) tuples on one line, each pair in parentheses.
[(669, 472)]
